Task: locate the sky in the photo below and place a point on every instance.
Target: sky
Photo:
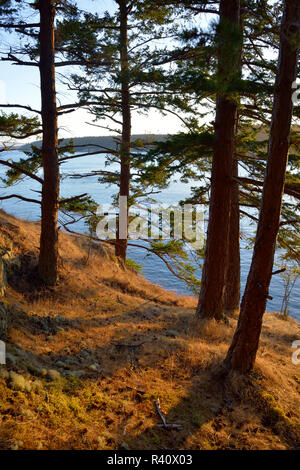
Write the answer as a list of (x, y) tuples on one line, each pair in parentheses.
[(20, 84)]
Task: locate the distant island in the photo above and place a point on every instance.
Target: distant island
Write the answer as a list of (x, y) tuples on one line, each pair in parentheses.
[(94, 142)]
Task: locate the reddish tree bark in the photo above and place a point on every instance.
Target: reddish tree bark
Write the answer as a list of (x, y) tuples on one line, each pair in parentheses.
[(121, 245), (233, 265), (211, 298), (242, 352), (48, 259)]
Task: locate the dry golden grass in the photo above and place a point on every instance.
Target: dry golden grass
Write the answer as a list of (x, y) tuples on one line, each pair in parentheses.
[(95, 312)]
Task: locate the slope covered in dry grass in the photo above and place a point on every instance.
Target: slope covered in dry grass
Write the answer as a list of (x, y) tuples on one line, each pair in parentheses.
[(88, 359)]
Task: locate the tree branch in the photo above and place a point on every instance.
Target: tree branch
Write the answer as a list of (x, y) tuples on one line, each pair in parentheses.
[(21, 170), (287, 189), (2, 198), (28, 108), (71, 199), (19, 26)]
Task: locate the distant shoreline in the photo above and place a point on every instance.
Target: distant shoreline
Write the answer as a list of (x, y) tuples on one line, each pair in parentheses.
[(95, 142)]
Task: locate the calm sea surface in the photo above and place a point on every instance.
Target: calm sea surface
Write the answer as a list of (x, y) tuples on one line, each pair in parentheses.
[(153, 268)]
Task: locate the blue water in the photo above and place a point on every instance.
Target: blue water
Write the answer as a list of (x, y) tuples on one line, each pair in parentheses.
[(153, 268)]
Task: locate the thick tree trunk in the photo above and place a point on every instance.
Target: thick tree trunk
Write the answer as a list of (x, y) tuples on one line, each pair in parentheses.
[(121, 245), (242, 353), (233, 268), (211, 298), (48, 260)]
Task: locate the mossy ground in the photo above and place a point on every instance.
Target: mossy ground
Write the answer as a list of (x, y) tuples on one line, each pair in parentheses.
[(90, 318)]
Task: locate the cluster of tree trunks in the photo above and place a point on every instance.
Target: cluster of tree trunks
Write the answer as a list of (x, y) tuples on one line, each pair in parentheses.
[(223, 191), (242, 353), (223, 227)]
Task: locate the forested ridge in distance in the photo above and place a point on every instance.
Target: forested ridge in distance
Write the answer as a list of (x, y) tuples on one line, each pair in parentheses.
[(106, 141)]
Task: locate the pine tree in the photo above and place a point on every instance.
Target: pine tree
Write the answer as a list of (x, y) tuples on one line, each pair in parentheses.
[(122, 75), (211, 297), (191, 153), (242, 353), (41, 51), (48, 258)]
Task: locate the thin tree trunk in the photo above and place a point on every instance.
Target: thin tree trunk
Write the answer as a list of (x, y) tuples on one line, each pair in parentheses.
[(48, 259), (121, 245), (211, 298), (242, 352), (233, 265)]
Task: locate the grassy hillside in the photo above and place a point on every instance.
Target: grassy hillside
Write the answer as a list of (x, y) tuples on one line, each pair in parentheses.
[(88, 359)]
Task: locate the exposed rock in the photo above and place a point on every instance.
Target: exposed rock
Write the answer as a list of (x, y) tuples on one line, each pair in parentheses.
[(61, 364), (85, 354), (15, 445), (4, 374), (32, 368), (172, 334), (18, 382), (76, 373), (124, 446), (94, 367), (21, 353), (37, 385), (70, 361), (11, 360), (53, 374)]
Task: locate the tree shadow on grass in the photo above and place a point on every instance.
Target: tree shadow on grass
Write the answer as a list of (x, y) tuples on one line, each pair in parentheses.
[(208, 410), (215, 415)]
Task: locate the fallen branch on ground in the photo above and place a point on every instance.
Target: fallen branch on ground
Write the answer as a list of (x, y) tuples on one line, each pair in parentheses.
[(165, 424)]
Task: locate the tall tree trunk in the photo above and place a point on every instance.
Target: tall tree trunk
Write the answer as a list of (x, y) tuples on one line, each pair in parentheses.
[(242, 352), (121, 245), (211, 298), (233, 265), (48, 260)]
